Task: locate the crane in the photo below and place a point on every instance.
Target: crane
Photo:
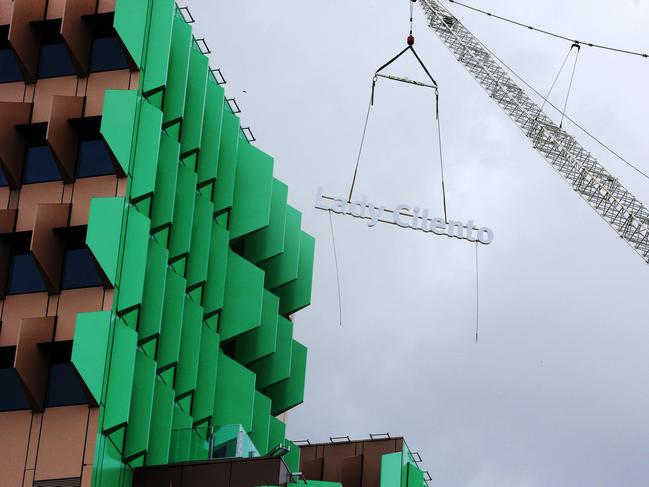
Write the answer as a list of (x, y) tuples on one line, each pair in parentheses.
[(598, 187)]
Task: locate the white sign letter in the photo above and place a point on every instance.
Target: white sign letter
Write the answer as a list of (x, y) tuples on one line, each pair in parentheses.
[(397, 215)]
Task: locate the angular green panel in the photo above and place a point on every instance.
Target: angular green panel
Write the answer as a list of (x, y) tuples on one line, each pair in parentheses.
[(227, 168), (90, 348), (261, 423), (161, 423), (277, 366), (292, 458), (111, 464), (290, 392), (146, 152), (297, 294), (203, 405), (104, 230), (181, 436), (139, 420), (155, 279), (136, 247), (235, 394), (181, 229), (269, 242), (277, 433), (181, 41), (200, 244), (391, 470), (261, 341), (244, 291), (252, 191), (120, 380), (208, 158), (284, 267), (159, 46), (118, 123), (214, 291), (190, 346), (172, 318), (415, 476), (165, 185), (195, 101), (130, 22)]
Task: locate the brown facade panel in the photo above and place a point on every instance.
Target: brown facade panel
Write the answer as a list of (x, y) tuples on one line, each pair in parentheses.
[(12, 92), (61, 136), (72, 302), (105, 6), (47, 88), (60, 452), (76, 32), (29, 478), (6, 9), (352, 472), (34, 437), (98, 83), (32, 195), (334, 455), (14, 434), (5, 193), (12, 143), (55, 9), (91, 439), (47, 246), (22, 38), (30, 362), (373, 452), (16, 308)]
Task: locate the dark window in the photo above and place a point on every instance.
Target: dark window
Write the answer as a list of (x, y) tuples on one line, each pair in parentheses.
[(94, 159), (63, 386), (40, 165), (9, 69), (79, 270), (107, 54), (55, 61), (24, 275), (3, 179), (13, 396)]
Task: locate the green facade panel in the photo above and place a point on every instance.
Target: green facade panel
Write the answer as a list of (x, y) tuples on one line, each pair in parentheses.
[(181, 229), (269, 242), (176, 88), (161, 424), (203, 406), (227, 167), (190, 347), (195, 102), (297, 294), (159, 45), (136, 248), (198, 260), (104, 231), (139, 419), (120, 381), (290, 392), (261, 341), (164, 198), (277, 366), (235, 394), (244, 292), (172, 319), (130, 22), (118, 124), (276, 433), (90, 349), (208, 158), (146, 152), (261, 423), (155, 279), (252, 191), (284, 267), (214, 292)]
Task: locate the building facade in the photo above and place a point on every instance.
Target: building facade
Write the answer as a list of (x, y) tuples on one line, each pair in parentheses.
[(149, 261)]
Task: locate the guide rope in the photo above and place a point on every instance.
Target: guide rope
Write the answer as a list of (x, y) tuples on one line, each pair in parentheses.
[(551, 34), (572, 78), (333, 240), (477, 294)]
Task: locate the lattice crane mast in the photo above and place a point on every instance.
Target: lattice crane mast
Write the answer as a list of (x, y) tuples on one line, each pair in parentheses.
[(601, 190)]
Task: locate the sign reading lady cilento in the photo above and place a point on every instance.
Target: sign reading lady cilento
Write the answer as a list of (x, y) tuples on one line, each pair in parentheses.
[(405, 216)]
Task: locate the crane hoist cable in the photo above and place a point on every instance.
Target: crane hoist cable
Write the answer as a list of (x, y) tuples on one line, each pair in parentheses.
[(410, 41)]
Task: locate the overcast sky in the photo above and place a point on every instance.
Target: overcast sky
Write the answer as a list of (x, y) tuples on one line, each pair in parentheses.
[(556, 391)]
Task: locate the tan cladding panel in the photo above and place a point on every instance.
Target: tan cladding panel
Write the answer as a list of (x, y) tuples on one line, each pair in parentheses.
[(98, 83), (14, 438), (16, 308), (31, 195), (63, 438), (44, 91), (72, 302)]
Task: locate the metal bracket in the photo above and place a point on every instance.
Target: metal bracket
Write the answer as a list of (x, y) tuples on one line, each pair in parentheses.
[(220, 79), (247, 133), (234, 106), (202, 45), (187, 15)]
